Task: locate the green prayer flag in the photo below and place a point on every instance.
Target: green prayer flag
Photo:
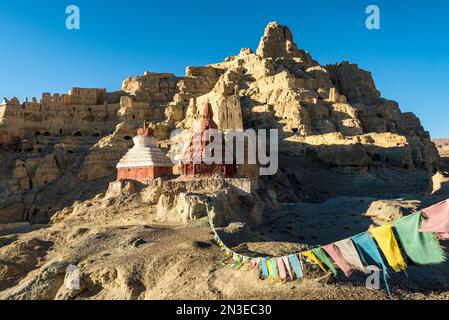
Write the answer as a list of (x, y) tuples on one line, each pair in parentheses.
[(421, 247), (273, 268), (320, 254)]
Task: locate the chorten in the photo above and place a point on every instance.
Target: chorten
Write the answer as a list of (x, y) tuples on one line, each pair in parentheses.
[(191, 166), (145, 161)]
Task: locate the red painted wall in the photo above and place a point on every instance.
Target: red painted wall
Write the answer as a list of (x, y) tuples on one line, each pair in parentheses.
[(228, 170), (142, 174)]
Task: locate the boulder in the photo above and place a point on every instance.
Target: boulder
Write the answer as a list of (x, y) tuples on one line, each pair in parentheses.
[(385, 211)]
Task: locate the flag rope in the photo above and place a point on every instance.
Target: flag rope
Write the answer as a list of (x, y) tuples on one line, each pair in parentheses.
[(275, 268)]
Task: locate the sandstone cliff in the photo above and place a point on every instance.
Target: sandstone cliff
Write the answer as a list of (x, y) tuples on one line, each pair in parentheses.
[(333, 122)]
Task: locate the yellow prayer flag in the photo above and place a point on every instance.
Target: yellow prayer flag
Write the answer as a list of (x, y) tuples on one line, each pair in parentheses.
[(312, 256), (387, 242)]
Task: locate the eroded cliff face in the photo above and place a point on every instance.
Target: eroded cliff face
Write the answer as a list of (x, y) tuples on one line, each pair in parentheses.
[(54, 152)]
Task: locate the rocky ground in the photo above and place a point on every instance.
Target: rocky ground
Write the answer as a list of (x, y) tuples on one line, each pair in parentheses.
[(124, 253)]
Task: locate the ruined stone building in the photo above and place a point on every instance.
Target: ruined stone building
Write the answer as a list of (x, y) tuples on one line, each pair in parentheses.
[(194, 158), (80, 96), (80, 112)]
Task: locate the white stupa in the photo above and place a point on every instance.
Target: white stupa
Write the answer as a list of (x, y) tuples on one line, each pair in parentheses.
[(145, 161)]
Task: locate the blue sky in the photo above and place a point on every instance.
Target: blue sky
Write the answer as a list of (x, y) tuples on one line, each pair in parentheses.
[(409, 56)]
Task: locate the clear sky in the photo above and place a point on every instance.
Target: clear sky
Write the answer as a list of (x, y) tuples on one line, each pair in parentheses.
[(409, 56)]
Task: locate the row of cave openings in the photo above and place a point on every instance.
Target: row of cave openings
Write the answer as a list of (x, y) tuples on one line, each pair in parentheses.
[(75, 134)]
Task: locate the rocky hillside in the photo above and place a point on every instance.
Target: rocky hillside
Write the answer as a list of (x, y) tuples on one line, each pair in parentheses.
[(443, 147), (333, 121), (345, 153)]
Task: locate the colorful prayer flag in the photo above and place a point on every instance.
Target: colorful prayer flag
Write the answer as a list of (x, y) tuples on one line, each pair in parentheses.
[(387, 242), (335, 254), (369, 253), (320, 254), (296, 265), (350, 254), (437, 220), (421, 247)]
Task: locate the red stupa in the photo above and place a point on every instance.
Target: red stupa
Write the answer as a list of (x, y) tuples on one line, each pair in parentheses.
[(190, 164)]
